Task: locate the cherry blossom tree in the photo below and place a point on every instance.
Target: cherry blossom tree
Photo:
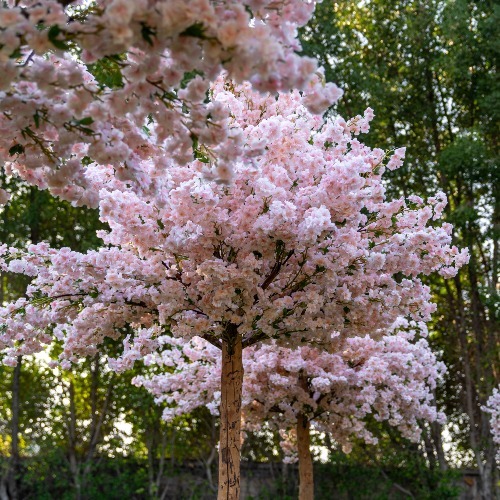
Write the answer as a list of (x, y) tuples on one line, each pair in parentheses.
[(120, 86), (300, 247), (389, 377)]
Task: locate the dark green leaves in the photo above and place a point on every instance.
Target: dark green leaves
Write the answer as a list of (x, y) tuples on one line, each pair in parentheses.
[(17, 149), (53, 34), (196, 30)]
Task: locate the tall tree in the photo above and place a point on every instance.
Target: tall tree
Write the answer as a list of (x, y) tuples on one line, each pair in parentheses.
[(30, 216), (429, 71), (387, 379), (302, 246)]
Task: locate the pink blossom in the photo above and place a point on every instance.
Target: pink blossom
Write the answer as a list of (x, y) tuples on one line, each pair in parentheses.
[(493, 408), (390, 378), (163, 42), (302, 251)]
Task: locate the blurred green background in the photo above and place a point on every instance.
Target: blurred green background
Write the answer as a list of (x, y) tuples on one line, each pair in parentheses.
[(428, 69)]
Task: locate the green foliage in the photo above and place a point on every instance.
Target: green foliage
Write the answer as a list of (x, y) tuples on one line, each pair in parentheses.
[(428, 68), (107, 71), (46, 476)]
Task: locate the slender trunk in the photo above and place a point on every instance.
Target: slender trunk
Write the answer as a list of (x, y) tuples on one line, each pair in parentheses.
[(95, 435), (213, 452), (73, 459), (208, 468), (438, 443), (151, 465), (306, 473), (429, 448), (436, 437), (306, 478), (14, 447), (488, 486), (3, 489), (469, 382), (230, 416), (163, 450)]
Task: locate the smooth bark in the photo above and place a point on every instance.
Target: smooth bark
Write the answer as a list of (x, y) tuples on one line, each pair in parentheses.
[(306, 472), (230, 416), (306, 476), (14, 445)]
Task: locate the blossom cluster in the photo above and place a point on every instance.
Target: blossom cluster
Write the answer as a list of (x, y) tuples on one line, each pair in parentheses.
[(389, 378), (493, 408), (122, 84), (301, 247)]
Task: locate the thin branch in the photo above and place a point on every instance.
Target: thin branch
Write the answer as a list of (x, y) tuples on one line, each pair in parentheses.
[(276, 269), (215, 341), (257, 337)]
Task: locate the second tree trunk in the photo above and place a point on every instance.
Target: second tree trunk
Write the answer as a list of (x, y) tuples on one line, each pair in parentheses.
[(306, 478)]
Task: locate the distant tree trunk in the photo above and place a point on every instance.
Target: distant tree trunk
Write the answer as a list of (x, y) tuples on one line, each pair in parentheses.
[(436, 429), (150, 445), (230, 415), (72, 453), (14, 447), (3, 489), (429, 448), (161, 465), (306, 473), (98, 418), (207, 462), (488, 484)]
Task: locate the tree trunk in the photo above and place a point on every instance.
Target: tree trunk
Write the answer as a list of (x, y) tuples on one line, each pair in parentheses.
[(230, 416), (74, 466), (306, 477), (3, 489), (14, 447), (438, 443), (429, 448)]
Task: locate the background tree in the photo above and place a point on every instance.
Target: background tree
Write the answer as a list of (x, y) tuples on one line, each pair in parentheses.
[(30, 217), (387, 379), (429, 70)]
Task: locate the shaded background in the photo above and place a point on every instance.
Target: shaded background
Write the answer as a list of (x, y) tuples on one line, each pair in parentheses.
[(428, 69)]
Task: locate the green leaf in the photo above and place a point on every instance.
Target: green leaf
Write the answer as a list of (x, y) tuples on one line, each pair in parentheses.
[(88, 120), (54, 32), (17, 149), (147, 33), (16, 54), (86, 130), (196, 30), (194, 141), (107, 71), (188, 76), (198, 155)]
